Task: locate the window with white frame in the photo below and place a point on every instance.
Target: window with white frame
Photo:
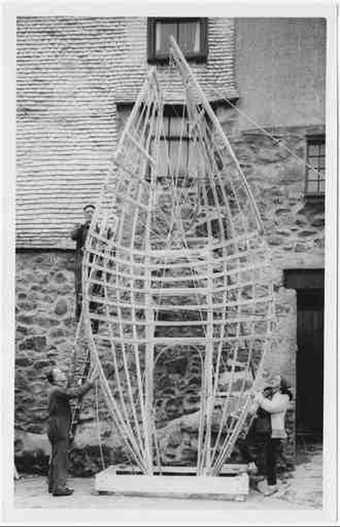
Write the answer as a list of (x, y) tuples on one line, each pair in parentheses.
[(315, 166), (190, 34)]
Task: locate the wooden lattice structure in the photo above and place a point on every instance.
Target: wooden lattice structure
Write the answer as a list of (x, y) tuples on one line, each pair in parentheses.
[(177, 258)]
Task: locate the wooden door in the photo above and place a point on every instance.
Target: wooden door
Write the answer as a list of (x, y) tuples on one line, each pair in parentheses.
[(309, 361)]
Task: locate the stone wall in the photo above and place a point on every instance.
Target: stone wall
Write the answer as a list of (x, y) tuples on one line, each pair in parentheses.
[(45, 329), (44, 336), (294, 225)]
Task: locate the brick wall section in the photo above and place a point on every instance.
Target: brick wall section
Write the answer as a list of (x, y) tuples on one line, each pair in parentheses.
[(71, 72)]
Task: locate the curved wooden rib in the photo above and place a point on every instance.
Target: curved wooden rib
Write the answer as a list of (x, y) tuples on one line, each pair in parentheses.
[(184, 245)]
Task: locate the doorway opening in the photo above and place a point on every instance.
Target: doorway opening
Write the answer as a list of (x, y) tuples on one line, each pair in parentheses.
[(309, 285)]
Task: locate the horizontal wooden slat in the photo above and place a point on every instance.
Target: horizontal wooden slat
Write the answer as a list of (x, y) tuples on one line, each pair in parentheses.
[(230, 468), (200, 306), (203, 341)]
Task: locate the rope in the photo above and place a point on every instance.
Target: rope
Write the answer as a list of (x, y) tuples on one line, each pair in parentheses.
[(98, 428), (264, 131)]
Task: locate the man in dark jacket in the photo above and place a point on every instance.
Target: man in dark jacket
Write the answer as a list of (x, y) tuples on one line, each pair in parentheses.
[(58, 431), (79, 235)]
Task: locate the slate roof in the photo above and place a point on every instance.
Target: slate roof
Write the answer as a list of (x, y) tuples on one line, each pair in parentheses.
[(71, 73)]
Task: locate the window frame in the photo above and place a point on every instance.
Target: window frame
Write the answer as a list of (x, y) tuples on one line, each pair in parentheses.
[(175, 111), (315, 139), (168, 138), (156, 58)]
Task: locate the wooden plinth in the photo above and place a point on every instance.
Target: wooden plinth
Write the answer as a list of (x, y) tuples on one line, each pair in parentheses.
[(227, 487)]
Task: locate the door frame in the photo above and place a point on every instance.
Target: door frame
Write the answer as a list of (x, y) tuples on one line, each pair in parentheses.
[(304, 279)]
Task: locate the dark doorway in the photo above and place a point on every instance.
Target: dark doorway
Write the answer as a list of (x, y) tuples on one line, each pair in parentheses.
[(309, 357), (309, 361)]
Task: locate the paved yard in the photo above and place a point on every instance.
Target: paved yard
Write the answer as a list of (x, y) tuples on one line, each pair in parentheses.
[(303, 490), (31, 493), (305, 486)]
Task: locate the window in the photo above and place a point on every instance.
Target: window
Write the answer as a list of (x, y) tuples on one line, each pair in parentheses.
[(175, 147), (190, 34), (179, 155), (315, 166)]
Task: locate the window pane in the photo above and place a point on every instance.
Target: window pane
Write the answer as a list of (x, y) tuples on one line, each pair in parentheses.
[(313, 150), (196, 159), (178, 127), (178, 158), (322, 162), (179, 154), (315, 166), (165, 127), (163, 31), (312, 187), (163, 159), (313, 162), (189, 37), (322, 173)]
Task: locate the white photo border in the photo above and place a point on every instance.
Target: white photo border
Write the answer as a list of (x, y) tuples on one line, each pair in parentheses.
[(184, 516)]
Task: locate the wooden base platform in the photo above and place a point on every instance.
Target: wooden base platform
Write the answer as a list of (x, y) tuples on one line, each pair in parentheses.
[(175, 485)]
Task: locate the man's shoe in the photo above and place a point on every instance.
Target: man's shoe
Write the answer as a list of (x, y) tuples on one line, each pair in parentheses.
[(252, 468), (262, 486), (265, 489), (271, 489), (63, 492)]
